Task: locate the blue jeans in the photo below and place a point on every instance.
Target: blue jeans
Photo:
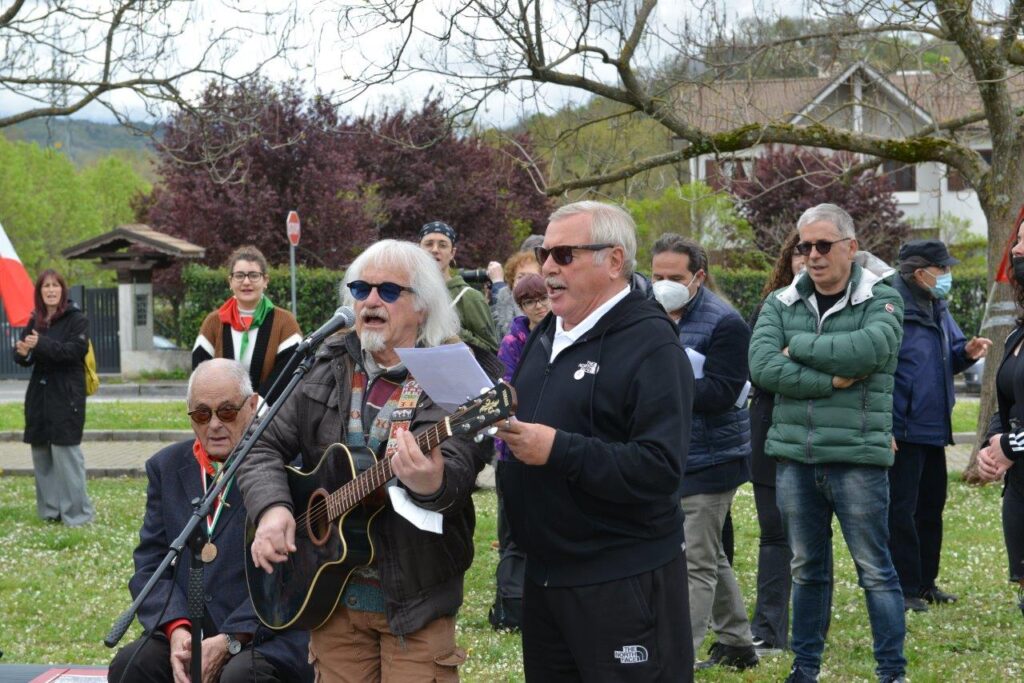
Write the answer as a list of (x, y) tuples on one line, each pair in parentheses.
[(808, 495)]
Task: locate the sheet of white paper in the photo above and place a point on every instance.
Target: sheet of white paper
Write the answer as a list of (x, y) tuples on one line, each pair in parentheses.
[(697, 361), (426, 520), (449, 374), (742, 400)]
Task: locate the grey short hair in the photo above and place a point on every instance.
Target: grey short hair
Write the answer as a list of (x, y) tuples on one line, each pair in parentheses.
[(441, 321), (233, 368), (829, 213), (608, 224)]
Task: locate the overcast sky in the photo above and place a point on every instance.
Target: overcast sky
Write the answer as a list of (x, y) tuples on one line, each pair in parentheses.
[(324, 60)]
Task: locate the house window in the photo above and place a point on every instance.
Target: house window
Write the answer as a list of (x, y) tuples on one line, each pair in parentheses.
[(956, 182), (903, 176)]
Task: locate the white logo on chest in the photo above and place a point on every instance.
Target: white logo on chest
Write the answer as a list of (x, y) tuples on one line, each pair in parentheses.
[(588, 368)]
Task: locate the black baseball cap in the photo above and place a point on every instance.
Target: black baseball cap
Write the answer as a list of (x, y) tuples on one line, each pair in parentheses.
[(932, 251)]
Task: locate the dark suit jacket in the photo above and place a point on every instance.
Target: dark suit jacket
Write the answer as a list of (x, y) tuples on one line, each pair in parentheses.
[(173, 482)]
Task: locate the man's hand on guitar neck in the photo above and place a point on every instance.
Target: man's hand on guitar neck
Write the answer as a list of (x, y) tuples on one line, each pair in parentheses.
[(274, 539), (421, 474)]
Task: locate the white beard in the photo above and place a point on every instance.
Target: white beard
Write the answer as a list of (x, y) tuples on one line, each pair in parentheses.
[(372, 341)]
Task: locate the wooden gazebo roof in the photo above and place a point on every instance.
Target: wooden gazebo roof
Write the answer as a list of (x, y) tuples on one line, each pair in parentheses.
[(134, 247)]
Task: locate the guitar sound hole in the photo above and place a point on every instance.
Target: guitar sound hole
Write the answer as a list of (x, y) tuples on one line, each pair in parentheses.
[(318, 524)]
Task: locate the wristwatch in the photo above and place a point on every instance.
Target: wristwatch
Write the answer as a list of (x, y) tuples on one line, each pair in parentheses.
[(234, 646)]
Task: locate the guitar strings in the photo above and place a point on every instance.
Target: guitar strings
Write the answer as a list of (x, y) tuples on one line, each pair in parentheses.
[(320, 510)]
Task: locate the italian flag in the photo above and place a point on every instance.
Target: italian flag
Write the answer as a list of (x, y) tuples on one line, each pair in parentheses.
[(16, 288)]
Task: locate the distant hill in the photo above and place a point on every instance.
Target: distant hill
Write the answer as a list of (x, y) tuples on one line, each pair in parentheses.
[(87, 141)]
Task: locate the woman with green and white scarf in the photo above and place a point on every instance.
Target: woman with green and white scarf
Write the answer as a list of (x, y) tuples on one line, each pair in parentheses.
[(249, 328)]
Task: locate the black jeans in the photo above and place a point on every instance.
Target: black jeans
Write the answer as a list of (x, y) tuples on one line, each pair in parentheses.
[(917, 497), (770, 622)]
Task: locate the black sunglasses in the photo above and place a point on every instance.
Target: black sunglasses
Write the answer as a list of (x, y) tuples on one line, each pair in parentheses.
[(387, 291), (226, 413), (562, 254), (823, 246)]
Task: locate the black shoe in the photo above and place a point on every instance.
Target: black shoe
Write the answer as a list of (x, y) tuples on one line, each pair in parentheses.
[(938, 596), (892, 678), (914, 604), (729, 655), (800, 675), (1020, 598)]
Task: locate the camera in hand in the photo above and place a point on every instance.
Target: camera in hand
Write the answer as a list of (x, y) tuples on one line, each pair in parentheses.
[(474, 274)]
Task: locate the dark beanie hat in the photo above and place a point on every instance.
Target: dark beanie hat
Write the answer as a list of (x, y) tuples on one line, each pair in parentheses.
[(530, 287), (439, 227)]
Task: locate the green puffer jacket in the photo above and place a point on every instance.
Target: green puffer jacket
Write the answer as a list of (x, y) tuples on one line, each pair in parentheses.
[(475, 314), (859, 338)]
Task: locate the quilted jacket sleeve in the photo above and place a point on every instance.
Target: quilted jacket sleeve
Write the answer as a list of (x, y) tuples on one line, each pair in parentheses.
[(857, 353), (774, 372)]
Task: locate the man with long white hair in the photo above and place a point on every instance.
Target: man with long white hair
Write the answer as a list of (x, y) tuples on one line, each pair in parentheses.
[(395, 619)]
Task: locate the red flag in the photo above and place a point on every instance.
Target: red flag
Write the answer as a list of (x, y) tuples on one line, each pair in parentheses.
[(1004, 271), (16, 288)]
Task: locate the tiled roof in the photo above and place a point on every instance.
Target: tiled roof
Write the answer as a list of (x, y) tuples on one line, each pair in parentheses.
[(722, 105)]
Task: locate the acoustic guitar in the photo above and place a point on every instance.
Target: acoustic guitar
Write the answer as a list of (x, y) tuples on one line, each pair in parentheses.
[(334, 506)]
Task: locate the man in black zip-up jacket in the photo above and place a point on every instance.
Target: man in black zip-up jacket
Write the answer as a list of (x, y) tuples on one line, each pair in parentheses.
[(605, 394)]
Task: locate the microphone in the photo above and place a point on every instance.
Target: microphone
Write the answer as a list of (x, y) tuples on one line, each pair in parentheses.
[(343, 317)]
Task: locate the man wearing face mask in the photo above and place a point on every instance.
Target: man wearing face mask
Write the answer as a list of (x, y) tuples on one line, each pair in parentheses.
[(933, 350), (719, 457)]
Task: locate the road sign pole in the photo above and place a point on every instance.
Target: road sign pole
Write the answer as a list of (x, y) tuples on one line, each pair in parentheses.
[(293, 228), (291, 255)]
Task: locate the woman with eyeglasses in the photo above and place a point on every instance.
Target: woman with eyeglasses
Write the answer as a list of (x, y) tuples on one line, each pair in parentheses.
[(54, 345), (249, 328), (770, 622), (531, 297)]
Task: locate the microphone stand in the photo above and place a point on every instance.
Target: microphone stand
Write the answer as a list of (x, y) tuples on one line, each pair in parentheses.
[(194, 535)]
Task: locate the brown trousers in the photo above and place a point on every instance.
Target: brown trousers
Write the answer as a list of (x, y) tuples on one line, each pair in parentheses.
[(358, 647)]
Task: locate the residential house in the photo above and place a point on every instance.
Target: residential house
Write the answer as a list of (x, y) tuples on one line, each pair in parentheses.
[(861, 99)]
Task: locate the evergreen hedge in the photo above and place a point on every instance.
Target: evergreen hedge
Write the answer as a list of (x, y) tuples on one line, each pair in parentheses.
[(966, 301)]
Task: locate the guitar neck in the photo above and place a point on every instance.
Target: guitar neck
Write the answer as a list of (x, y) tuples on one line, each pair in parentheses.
[(352, 493)]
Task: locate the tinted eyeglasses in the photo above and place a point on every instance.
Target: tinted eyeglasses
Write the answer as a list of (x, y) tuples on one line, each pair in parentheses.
[(252, 276), (226, 413), (823, 246), (562, 254), (387, 291)]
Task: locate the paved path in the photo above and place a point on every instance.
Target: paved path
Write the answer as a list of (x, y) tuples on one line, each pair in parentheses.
[(13, 391), (104, 456)]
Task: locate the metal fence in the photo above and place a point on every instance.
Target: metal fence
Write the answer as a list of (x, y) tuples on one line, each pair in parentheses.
[(101, 307)]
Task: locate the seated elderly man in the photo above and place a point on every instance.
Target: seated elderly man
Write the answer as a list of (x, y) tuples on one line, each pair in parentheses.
[(395, 620), (221, 402)]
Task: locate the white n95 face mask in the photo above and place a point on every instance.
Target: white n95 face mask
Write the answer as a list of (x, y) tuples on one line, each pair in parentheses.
[(671, 295)]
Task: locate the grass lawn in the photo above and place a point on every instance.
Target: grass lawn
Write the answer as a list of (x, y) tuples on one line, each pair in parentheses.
[(60, 589), (169, 414), (965, 415)]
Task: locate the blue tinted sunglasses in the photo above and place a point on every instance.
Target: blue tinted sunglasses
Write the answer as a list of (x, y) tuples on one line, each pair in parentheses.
[(387, 291)]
